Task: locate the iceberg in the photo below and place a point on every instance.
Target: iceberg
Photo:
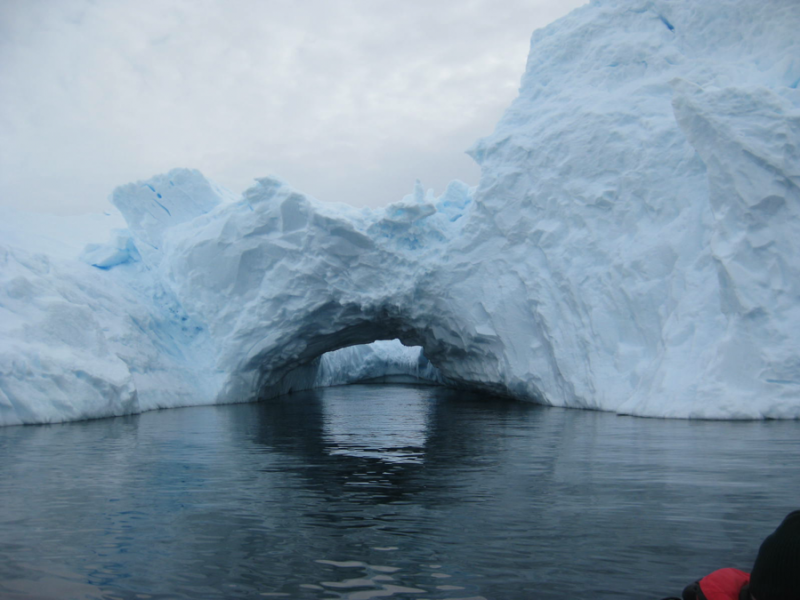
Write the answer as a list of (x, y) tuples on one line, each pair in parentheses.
[(631, 247)]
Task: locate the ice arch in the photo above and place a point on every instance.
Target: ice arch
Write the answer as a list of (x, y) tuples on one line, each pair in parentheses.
[(278, 279)]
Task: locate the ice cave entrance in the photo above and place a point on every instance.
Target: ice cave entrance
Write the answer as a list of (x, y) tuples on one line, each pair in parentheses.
[(382, 361)]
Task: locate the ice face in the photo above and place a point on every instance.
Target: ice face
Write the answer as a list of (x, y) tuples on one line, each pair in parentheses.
[(631, 246), (645, 182)]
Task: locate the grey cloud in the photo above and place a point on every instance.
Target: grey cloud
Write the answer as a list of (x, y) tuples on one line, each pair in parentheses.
[(348, 100)]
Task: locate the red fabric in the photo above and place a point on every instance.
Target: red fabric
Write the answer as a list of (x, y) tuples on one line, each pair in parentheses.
[(724, 584)]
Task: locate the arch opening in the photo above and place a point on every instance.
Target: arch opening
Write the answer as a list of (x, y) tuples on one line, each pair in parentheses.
[(378, 362), (289, 356)]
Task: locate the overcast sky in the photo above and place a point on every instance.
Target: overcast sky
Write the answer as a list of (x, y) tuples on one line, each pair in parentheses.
[(347, 100)]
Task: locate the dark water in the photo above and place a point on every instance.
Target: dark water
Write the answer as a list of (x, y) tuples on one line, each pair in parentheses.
[(369, 491)]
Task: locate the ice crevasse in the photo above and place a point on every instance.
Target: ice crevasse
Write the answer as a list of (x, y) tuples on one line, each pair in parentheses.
[(633, 245)]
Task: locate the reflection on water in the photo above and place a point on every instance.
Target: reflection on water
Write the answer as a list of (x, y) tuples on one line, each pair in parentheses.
[(370, 492), (394, 431)]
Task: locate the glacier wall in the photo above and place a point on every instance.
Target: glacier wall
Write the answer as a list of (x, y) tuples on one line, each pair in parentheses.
[(631, 246), (646, 183)]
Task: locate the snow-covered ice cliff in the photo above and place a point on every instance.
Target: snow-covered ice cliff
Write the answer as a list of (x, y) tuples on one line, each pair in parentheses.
[(632, 246)]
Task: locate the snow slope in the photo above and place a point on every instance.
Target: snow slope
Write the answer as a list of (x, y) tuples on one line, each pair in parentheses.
[(632, 246)]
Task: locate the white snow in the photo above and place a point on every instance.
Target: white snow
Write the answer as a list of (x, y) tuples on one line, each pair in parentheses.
[(632, 246)]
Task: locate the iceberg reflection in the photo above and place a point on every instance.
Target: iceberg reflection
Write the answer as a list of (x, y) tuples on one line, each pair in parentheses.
[(362, 427)]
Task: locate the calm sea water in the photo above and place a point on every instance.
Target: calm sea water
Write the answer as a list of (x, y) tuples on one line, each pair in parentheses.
[(366, 492)]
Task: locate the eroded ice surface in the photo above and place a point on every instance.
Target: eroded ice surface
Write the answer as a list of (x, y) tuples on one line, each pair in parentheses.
[(632, 246)]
